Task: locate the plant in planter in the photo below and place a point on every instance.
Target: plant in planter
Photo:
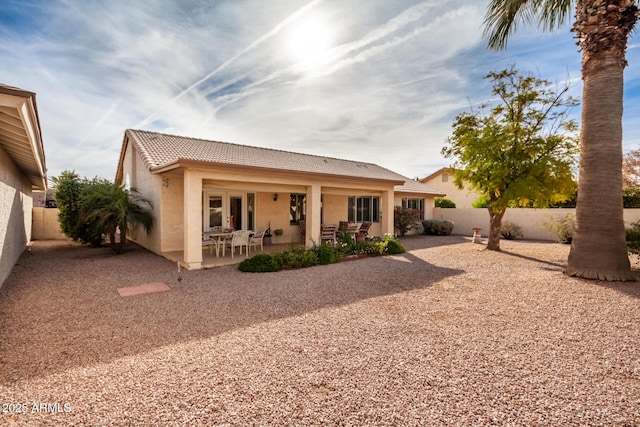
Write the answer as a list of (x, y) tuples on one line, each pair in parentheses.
[(266, 240)]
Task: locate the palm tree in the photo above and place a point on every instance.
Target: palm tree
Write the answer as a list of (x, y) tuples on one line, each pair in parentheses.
[(113, 209), (602, 27)]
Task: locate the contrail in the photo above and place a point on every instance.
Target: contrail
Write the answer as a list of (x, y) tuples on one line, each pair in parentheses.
[(340, 54), (274, 31)]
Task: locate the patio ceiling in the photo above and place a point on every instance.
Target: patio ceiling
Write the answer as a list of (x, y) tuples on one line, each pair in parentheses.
[(20, 135)]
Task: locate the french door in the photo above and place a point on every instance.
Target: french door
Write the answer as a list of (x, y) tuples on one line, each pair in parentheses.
[(228, 210)]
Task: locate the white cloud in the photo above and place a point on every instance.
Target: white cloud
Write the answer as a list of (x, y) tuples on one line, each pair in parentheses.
[(396, 76)]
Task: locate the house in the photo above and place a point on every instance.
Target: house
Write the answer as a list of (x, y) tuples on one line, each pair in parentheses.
[(442, 180), (22, 170), (196, 184)]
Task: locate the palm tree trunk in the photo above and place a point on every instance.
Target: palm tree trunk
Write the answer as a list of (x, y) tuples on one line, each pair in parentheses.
[(598, 249)]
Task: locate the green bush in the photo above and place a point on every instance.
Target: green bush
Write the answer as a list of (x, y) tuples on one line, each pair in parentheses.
[(443, 202), (326, 254), (481, 202), (392, 246), (510, 231), (323, 254), (633, 237), (564, 227), (437, 227), (261, 263), (299, 258), (631, 197)]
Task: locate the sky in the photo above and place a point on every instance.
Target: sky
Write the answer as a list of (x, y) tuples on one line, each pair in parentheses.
[(377, 81)]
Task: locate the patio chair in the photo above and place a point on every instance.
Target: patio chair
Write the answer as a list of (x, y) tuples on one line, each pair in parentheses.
[(239, 238), (256, 240), (328, 233), (364, 229), (208, 242), (353, 229)]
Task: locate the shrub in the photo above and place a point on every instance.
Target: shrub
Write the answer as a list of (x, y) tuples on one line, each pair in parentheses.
[(631, 197), (437, 227), (633, 237), (404, 219), (261, 263), (481, 202), (443, 202), (299, 258), (392, 246), (326, 254), (564, 227), (510, 231)]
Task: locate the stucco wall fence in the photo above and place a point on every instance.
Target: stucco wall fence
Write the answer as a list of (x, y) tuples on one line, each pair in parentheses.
[(530, 220), (45, 224)]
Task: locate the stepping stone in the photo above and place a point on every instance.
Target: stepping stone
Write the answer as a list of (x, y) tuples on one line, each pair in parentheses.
[(147, 288)]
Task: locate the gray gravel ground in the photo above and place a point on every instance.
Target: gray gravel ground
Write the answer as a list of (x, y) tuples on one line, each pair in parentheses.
[(442, 335)]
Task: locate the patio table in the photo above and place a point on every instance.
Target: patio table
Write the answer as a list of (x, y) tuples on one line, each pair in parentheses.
[(219, 238)]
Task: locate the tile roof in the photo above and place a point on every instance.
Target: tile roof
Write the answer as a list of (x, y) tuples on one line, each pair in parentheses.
[(160, 150), (413, 186)]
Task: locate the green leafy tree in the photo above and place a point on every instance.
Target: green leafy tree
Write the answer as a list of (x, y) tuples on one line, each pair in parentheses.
[(116, 211), (602, 28), (442, 202), (69, 190), (521, 151)]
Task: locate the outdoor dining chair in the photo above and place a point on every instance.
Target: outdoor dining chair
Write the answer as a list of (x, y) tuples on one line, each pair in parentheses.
[(256, 240), (239, 238)]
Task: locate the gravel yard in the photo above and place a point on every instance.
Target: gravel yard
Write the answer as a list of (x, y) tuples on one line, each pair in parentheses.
[(444, 334)]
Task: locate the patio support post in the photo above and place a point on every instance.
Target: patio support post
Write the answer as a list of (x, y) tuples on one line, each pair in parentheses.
[(386, 216), (192, 220), (313, 214)]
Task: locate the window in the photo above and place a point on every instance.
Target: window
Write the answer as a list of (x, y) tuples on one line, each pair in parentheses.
[(363, 209), (416, 203), (445, 177), (297, 208), (215, 211)]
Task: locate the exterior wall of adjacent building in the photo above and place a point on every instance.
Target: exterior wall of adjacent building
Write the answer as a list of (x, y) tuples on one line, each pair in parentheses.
[(16, 204), (463, 198)]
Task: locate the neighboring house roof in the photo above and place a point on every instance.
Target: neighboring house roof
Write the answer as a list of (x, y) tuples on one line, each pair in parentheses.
[(20, 134), (412, 186), (162, 152)]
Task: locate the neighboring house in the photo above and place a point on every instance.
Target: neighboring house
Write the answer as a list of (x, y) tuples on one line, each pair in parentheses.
[(197, 184), (22, 170), (442, 180)]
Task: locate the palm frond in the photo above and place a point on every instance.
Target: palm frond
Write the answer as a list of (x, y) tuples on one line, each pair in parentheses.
[(503, 16)]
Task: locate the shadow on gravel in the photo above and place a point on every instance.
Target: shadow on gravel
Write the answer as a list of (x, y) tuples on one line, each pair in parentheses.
[(59, 309), (542, 261)]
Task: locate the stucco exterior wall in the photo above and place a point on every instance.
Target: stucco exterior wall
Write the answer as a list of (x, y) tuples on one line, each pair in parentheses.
[(463, 198), (170, 219), (16, 203), (45, 224), (137, 176)]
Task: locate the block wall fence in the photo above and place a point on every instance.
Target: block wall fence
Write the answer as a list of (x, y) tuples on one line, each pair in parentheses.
[(530, 220)]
